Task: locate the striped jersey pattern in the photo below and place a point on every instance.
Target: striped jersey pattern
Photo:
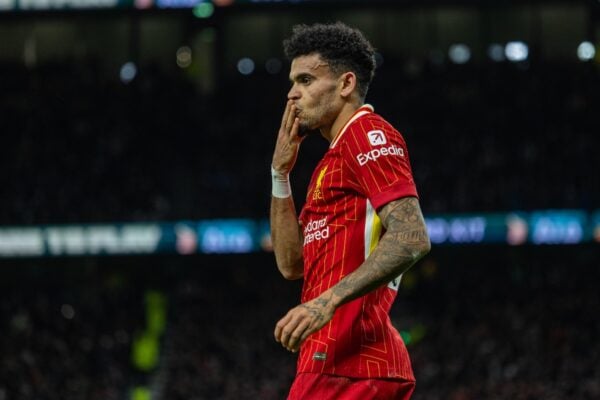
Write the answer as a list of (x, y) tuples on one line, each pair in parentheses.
[(365, 167)]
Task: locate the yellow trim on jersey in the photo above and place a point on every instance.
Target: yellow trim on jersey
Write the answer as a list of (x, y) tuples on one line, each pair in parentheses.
[(372, 229), (376, 233)]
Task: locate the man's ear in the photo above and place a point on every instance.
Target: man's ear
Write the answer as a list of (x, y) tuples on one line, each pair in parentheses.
[(347, 83)]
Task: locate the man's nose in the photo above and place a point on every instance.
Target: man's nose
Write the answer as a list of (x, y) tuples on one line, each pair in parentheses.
[(294, 93)]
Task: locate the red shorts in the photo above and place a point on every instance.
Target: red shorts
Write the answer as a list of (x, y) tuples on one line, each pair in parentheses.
[(308, 386)]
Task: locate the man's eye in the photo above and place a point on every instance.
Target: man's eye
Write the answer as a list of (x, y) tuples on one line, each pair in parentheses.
[(305, 80)]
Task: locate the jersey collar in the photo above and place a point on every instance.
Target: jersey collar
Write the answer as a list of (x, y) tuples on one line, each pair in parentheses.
[(364, 109)]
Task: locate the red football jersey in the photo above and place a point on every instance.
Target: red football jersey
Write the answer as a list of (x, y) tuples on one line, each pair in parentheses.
[(365, 167)]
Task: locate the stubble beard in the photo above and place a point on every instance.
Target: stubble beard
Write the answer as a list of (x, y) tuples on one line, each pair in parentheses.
[(305, 129), (311, 124), (308, 126)]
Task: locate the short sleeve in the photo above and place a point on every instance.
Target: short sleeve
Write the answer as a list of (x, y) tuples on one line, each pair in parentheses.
[(376, 153)]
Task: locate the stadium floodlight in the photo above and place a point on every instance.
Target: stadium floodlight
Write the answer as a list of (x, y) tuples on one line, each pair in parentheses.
[(459, 53), (184, 57), (586, 51), (495, 52), (203, 10), (245, 66), (516, 51), (128, 72)]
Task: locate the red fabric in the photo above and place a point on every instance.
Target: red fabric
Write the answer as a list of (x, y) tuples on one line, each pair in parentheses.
[(382, 171), (329, 387), (340, 229)]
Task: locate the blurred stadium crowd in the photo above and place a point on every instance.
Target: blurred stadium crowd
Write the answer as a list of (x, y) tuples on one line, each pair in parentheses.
[(85, 148), (65, 335), (494, 323)]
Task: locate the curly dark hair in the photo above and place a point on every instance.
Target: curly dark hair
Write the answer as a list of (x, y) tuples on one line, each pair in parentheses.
[(342, 47)]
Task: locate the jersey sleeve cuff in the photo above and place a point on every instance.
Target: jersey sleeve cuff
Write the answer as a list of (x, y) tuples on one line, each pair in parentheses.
[(392, 193)]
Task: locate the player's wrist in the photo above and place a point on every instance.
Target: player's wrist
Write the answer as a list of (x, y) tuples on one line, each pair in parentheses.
[(280, 184), (279, 174), (330, 300)]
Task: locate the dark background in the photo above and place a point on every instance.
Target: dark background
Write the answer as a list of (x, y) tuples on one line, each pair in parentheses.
[(79, 145)]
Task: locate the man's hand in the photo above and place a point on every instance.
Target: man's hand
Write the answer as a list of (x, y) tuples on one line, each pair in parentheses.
[(286, 233), (288, 141), (302, 321)]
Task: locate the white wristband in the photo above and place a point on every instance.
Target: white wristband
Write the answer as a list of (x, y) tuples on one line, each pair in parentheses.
[(281, 185)]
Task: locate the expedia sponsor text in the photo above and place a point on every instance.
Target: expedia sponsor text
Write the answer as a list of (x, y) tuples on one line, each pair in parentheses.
[(374, 154)]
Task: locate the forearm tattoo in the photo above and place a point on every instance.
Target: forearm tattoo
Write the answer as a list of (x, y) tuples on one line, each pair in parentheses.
[(404, 242)]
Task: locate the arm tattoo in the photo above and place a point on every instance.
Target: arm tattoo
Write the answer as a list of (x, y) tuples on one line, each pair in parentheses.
[(315, 311), (403, 244)]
